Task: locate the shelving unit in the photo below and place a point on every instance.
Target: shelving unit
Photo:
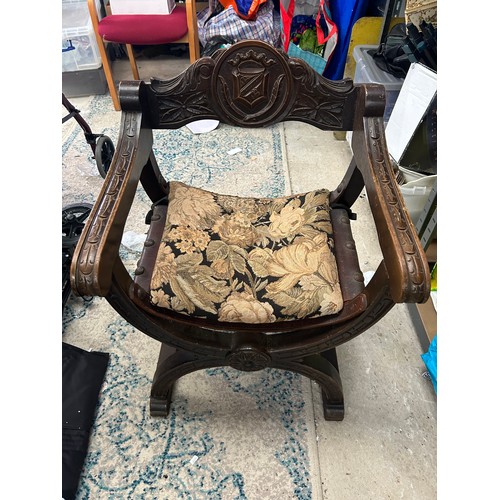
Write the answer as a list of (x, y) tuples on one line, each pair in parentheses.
[(424, 316)]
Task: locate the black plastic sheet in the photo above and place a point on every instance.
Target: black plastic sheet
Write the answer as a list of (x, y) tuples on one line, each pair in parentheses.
[(82, 377)]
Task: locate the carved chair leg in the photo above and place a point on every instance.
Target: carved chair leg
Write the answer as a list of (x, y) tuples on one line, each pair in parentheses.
[(173, 364), (333, 401), (323, 368)]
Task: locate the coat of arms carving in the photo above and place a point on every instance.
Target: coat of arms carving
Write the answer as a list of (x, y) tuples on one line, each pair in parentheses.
[(249, 91)]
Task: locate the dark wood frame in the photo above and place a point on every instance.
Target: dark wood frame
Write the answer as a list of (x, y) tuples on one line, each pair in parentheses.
[(284, 89)]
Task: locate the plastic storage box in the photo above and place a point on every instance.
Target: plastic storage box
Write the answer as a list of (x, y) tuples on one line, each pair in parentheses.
[(367, 71), (142, 6), (79, 45), (84, 83), (416, 190)]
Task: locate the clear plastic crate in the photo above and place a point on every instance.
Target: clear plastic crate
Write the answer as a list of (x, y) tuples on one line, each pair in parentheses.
[(79, 44), (367, 71)]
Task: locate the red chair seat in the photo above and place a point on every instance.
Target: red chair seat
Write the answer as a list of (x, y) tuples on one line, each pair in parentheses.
[(145, 29)]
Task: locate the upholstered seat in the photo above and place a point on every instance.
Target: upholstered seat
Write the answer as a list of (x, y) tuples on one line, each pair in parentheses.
[(245, 260), (144, 29)]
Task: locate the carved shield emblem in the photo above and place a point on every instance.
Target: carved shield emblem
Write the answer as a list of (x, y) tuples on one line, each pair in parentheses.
[(252, 85), (250, 81)]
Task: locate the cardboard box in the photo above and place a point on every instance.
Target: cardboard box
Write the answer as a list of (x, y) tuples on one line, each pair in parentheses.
[(142, 6), (417, 11)]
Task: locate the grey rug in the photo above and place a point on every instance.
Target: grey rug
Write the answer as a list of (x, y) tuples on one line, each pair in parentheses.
[(229, 435)]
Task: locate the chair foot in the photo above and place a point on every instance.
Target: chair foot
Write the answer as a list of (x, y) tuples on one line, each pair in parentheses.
[(332, 411), (333, 402), (159, 407), (173, 364), (323, 368)]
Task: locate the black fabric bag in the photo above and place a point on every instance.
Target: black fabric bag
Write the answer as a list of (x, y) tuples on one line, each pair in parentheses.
[(390, 56), (82, 377)]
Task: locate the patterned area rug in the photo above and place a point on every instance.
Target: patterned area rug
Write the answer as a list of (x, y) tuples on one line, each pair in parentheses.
[(229, 435)]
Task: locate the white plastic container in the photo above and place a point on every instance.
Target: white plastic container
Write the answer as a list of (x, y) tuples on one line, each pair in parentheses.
[(367, 71), (79, 45), (415, 191), (142, 6)]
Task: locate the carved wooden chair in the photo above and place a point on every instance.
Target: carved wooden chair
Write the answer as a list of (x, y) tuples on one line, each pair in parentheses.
[(180, 26), (243, 282)]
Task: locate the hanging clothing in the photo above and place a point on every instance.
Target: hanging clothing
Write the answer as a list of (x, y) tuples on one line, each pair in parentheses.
[(246, 9), (344, 13)]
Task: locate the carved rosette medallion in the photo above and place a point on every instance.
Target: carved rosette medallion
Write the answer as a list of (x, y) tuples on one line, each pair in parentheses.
[(252, 88), (248, 359)]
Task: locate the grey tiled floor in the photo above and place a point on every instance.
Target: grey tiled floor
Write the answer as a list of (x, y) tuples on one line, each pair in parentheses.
[(386, 446)]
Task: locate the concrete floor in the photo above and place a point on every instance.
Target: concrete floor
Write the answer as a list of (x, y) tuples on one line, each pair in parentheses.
[(386, 446)]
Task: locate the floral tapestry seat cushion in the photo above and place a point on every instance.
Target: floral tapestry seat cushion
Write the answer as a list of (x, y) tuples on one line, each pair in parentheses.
[(246, 260)]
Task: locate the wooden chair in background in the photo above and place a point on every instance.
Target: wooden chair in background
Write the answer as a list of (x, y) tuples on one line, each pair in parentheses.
[(180, 26)]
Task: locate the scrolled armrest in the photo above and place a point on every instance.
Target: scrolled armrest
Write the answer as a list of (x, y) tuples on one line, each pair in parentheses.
[(404, 257), (99, 244)]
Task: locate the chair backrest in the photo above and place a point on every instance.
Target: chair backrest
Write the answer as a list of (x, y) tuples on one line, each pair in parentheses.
[(250, 84)]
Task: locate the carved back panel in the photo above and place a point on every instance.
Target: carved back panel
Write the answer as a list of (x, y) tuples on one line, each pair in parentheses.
[(251, 84)]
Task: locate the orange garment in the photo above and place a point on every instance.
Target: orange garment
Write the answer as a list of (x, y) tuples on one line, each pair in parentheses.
[(246, 9)]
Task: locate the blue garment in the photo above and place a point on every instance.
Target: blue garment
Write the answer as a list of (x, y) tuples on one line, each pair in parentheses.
[(246, 6), (344, 14), (430, 360)]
